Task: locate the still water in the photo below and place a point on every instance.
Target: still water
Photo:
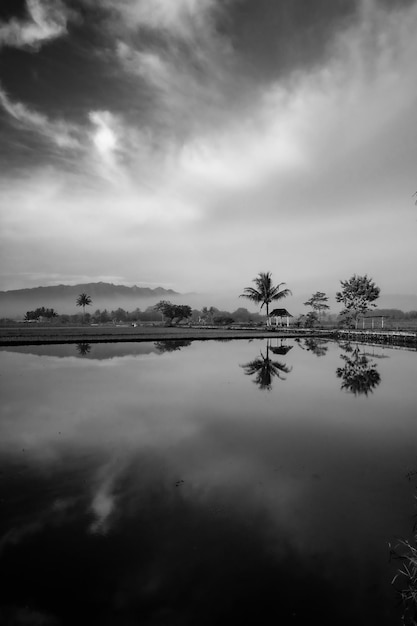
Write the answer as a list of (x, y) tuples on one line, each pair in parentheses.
[(205, 483)]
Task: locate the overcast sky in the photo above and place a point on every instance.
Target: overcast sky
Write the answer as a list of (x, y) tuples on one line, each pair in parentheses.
[(193, 143)]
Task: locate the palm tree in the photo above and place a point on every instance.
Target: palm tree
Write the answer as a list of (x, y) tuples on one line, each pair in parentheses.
[(265, 291), (84, 300)]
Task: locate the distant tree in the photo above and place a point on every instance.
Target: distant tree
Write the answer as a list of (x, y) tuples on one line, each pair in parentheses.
[(104, 317), (171, 312), (265, 291), (195, 316), (83, 300), (358, 295), (165, 308), (318, 303), (300, 321), (207, 314), (243, 315), (133, 316), (40, 312), (120, 315), (223, 320), (311, 319)]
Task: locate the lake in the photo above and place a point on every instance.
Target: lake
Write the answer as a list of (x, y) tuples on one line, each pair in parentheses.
[(205, 482)]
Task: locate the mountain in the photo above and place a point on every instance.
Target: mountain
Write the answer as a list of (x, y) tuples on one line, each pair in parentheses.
[(62, 298)]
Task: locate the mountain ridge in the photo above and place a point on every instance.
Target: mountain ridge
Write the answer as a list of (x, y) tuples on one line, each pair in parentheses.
[(62, 298), (97, 287)]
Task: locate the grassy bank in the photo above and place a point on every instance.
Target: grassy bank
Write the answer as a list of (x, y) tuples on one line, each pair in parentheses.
[(36, 334)]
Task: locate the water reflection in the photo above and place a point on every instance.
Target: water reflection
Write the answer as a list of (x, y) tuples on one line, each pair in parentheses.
[(171, 345), (359, 374), (138, 489), (144, 549), (83, 348), (280, 349), (264, 369), (315, 345)]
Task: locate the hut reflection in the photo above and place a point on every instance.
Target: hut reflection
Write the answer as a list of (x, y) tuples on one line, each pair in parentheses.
[(264, 369), (359, 374)]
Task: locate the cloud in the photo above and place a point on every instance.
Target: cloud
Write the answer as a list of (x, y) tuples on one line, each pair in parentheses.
[(182, 19), (47, 21), (214, 158), (60, 132), (105, 140)]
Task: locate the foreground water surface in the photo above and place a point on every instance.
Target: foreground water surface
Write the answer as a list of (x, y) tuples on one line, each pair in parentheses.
[(177, 483)]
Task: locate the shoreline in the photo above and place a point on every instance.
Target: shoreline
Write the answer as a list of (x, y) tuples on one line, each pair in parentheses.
[(11, 336), (43, 335)]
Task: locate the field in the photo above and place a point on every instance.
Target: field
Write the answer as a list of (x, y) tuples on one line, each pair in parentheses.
[(38, 334)]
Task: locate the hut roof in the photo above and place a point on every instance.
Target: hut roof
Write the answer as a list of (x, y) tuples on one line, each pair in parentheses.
[(281, 349), (280, 313)]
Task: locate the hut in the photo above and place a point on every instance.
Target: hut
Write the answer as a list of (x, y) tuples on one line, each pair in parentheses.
[(276, 317)]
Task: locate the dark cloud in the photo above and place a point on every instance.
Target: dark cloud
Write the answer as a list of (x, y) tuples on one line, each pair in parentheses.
[(10, 9), (278, 37)]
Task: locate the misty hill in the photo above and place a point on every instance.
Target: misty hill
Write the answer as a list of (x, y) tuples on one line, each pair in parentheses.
[(62, 298)]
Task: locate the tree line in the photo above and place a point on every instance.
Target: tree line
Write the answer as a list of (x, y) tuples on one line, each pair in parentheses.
[(166, 312), (358, 295)]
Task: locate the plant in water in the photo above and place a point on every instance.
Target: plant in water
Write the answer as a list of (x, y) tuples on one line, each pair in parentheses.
[(405, 580)]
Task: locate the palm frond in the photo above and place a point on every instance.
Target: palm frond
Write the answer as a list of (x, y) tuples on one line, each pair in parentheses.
[(265, 291)]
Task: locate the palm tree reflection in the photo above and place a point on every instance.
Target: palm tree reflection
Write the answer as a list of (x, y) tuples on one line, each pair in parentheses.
[(265, 369), (83, 348), (359, 374)]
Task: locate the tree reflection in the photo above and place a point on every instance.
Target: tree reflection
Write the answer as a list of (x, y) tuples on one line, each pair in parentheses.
[(316, 346), (265, 369), (313, 344), (171, 345), (359, 374), (83, 348)]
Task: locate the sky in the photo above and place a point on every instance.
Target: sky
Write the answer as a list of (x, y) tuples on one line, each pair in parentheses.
[(192, 144)]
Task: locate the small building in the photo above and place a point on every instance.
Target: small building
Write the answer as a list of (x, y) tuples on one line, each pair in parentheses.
[(277, 316)]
